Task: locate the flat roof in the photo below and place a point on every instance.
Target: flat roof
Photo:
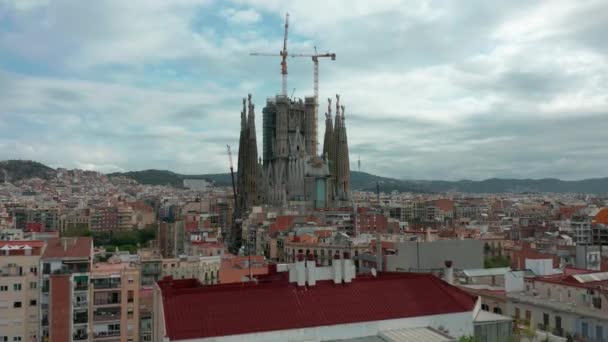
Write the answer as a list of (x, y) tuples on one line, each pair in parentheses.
[(195, 311), (486, 272)]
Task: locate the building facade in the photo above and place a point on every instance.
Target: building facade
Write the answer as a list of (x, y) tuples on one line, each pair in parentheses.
[(114, 313), (19, 302), (64, 299)]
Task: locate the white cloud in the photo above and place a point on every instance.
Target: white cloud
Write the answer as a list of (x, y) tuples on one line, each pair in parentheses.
[(248, 16), (431, 89)]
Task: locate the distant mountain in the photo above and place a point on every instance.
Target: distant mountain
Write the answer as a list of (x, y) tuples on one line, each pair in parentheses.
[(23, 169), (15, 170), (368, 182)]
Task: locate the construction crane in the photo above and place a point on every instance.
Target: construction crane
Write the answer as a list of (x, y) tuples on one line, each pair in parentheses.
[(283, 54)]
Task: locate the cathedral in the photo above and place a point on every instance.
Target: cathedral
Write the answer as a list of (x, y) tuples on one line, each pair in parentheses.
[(291, 171)]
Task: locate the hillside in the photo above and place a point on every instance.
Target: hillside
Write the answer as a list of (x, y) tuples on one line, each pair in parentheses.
[(366, 181), (15, 170), (23, 169)]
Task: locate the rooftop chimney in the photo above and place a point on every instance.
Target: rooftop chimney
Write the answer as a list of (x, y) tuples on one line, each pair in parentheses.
[(448, 272), (300, 269), (337, 266), (347, 268), (379, 258), (311, 270)]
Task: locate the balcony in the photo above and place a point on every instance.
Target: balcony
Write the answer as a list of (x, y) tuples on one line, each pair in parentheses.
[(80, 336), (111, 300), (81, 317), (106, 284), (107, 314), (102, 334), (80, 302)]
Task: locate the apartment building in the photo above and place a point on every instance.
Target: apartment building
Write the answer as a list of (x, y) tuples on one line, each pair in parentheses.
[(114, 313), (19, 306), (570, 304), (64, 299), (205, 269)]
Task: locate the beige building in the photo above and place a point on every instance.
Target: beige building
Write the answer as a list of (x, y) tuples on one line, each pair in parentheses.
[(19, 306), (114, 311), (205, 269)]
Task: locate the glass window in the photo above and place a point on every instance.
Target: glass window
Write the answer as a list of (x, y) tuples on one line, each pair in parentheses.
[(599, 333), (3, 288), (32, 302), (33, 285), (17, 287), (16, 304), (585, 329)]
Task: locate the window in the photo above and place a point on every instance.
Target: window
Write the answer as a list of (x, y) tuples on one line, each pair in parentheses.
[(17, 338), (34, 270), (130, 296), (33, 285), (17, 287), (545, 321), (528, 316), (497, 310), (599, 333), (16, 304), (558, 325), (32, 302), (485, 307), (3, 288), (585, 329), (3, 338)]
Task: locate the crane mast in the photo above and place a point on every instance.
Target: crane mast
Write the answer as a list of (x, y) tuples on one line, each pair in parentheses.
[(284, 60)]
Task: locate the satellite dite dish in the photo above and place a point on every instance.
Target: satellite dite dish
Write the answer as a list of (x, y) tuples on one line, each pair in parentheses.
[(374, 272)]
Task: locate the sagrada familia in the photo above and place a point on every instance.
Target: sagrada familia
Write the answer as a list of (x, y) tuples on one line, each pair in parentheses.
[(291, 172)]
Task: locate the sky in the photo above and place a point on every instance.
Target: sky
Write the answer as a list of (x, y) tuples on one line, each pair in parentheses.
[(432, 89)]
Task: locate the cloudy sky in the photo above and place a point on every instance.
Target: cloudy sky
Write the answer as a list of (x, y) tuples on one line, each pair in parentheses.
[(432, 89)]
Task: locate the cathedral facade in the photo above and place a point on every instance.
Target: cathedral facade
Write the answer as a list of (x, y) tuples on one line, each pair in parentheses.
[(291, 171)]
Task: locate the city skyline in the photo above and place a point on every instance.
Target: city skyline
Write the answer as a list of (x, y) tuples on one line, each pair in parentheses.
[(511, 90)]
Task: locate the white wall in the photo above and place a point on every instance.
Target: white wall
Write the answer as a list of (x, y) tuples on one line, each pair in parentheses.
[(514, 281), (458, 324)]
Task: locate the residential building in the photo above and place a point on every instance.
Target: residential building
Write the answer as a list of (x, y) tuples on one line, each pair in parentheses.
[(203, 268), (66, 267), (573, 304), (19, 280), (422, 256), (104, 219), (115, 306), (308, 303)]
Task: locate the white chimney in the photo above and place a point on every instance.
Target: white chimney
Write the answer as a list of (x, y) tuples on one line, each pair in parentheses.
[(337, 266), (448, 272), (300, 269), (311, 270), (348, 268)]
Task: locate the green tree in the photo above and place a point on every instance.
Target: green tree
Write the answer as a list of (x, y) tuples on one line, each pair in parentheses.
[(497, 261)]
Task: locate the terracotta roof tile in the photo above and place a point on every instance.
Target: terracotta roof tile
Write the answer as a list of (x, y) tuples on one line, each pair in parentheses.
[(73, 247)]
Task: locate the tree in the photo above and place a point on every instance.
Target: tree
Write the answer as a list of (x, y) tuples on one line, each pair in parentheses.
[(497, 261), (467, 339)]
